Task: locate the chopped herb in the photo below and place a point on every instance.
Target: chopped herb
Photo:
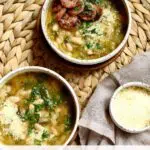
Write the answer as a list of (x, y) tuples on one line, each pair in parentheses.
[(44, 92), (99, 1), (68, 122), (76, 8), (38, 90), (98, 46), (38, 107), (35, 92), (85, 25), (45, 135), (89, 45), (93, 46), (32, 118), (58, 99), (93, 30), (52, 21), (37, 142), (50, 102), (88, 24), (30, 128)]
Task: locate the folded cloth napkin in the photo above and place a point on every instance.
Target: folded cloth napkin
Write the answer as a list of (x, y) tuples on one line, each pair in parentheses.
[(95, 125)]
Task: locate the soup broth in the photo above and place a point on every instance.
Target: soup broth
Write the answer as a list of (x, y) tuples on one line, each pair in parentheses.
[(90, 39), (35, 109)]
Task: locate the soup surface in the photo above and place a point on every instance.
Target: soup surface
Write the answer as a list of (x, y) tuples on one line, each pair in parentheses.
[(90, 38), (35, 109), (131, 107)]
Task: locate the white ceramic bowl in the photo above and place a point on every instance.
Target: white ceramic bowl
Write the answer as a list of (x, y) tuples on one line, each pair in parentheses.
[(117, 123), (57, 77), (78, 61)]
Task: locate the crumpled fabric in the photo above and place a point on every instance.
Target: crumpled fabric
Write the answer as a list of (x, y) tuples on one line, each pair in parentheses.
[(95, 125)]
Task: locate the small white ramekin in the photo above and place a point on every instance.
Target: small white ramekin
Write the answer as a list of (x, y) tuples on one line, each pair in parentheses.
[(117, 123), (79, 61), (57, 77)]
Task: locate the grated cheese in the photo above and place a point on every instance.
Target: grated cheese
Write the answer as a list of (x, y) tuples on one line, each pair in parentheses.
[(9, 117), (103, 28), (8, 112), (35, 135), (131, 108)]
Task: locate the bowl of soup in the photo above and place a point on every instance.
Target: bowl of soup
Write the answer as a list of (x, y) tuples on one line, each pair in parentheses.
[(37, 107), (130, 107), (86, 32)]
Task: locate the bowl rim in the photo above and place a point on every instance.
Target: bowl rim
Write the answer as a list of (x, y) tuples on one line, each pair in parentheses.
[(126, 85), (85, 61), (52, 73)]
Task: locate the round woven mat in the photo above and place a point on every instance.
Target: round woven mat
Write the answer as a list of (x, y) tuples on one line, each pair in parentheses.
[(20, 45)]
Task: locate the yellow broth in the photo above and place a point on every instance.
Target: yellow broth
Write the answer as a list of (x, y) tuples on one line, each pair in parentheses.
[(35, 109), (90, 40)]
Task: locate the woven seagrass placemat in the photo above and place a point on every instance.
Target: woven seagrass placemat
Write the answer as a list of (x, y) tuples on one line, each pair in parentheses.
[(20, 45)]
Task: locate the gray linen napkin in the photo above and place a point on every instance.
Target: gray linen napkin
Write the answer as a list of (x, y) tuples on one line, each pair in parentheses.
[(96, 127)]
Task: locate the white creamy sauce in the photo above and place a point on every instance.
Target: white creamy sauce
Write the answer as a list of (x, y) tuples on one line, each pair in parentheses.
[(131, 108)]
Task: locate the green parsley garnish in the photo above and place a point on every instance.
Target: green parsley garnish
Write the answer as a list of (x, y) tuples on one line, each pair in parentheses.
[(49, 101), (89, 45), (85, 25), (93, 30), (32, 118), (68, 122), (76, 8), (98, 46), (45, 135), (38, 107)]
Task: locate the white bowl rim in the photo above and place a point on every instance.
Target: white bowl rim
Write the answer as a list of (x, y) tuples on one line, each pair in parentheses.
[(129, 84), (85, 61), (52, 73)]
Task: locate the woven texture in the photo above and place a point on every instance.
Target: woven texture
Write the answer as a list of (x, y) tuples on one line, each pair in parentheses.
[(20, 46)]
